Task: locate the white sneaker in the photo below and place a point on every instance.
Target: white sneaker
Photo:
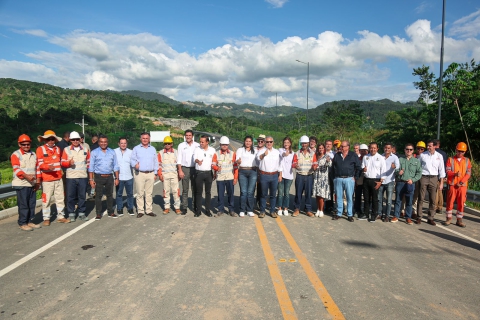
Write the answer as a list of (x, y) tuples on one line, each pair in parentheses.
[(250, 214), (285, 212), (317, 214), (241, 214), (279, 212), (320, 214)]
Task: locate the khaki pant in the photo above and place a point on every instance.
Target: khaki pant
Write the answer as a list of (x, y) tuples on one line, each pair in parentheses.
[(144, 187), (170, 186), (52, 188), (439, 202), (428, 183)]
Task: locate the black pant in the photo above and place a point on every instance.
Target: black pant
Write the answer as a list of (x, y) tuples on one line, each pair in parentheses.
[(201, 178), (329, 203), (370, 196), (26, 202), (100, 183)]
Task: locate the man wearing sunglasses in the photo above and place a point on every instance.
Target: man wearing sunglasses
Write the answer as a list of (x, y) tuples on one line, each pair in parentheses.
[(24, 163), (167, 173), (433, 171), (49, 173), (76, 160), (459, 170), (408, 173)]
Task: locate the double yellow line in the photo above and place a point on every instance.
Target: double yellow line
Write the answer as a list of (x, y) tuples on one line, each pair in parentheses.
[(282, 294)]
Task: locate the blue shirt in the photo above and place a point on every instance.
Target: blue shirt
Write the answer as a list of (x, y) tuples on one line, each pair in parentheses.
[(123, 158), (103, 162), (146, 157)]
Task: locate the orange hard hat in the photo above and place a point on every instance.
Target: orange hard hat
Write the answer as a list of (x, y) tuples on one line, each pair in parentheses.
[(337, 143), (24, 138), (462, 146)]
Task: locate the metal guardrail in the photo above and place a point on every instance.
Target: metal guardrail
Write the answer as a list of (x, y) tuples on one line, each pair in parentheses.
[(6, 191)]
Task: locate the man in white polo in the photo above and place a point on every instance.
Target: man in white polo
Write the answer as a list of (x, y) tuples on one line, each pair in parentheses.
[(203, 158)]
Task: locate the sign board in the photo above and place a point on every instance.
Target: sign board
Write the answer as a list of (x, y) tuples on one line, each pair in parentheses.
[(158, 136)]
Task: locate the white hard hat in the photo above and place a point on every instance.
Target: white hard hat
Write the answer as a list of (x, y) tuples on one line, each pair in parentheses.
[(224, 140), (74, 135), (304, 139), (363, 146)]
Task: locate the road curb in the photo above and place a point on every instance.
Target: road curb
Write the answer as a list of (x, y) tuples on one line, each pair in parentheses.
[(10, 212)]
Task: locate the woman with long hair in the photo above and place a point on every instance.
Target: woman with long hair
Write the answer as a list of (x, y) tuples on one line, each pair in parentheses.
[(321, 187), (247, 176), (283, 195)]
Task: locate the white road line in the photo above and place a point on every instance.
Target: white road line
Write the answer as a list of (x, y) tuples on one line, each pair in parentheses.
[(32, 255), (456, 233)]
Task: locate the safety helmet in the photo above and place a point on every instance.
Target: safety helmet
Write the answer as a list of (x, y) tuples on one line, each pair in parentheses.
[(224, 140), (304, 139), (462, 146), (48, 134), (337, 143), (363, 146), (421, 144), (167, 139), (24, 138), (74, 135)]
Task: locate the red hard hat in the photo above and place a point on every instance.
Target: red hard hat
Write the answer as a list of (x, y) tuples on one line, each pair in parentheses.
[(24, 138)]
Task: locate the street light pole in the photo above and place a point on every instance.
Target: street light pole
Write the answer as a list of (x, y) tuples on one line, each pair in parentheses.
[(308, 80), (440, 82)]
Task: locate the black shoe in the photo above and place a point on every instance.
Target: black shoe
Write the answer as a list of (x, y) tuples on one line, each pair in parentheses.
[(233, 214), (384, 218), (362, 217), (372, 218), (196, 215), (350, 219), (208, 214), (98, 217), (119, 213), (151, 214), (139, 215), (261, 215), (130, 212), (112, 215), (335, 217)]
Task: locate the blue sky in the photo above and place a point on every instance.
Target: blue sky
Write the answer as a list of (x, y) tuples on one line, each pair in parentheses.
[(235, 51)]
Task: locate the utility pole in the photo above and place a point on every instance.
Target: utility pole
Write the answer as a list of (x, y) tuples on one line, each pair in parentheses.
[(440, 82), (83, 124)]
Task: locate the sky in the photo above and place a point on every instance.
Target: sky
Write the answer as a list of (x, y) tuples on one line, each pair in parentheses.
[(236, 51)]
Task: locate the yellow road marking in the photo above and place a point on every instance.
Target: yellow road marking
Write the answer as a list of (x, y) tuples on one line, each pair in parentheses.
[(322, 292), (280, 289)]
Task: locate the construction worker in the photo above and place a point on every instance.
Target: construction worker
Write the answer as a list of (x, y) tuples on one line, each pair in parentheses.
[(167, 173), (305, 162), (76, 161), (420, 148), (49, 174), (24, 163), (224, 164), (459, 170)]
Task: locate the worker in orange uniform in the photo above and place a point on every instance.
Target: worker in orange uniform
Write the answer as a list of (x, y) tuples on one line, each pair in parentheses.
[(224, 164), (167, 173), (459, 169), (24, 163), (49, 173)]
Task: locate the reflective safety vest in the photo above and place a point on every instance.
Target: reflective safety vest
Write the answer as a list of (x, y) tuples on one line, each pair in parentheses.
[(225, 161), (462, 168), (168, 163), (28, 162), (79, 169), (47, 157)]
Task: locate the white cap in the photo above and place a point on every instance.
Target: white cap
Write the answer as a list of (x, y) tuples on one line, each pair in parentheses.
[(304, 139), (224, 140), (363, 146), (74, 135)]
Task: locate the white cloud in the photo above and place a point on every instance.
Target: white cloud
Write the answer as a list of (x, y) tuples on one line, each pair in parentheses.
[(468, 26), (33, 32), (277, 3), (422, 7), (277, 101)]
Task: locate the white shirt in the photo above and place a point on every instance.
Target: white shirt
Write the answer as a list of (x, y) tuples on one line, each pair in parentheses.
[(287, 170), (257, 150), (248, 158), (272, 162), (376, 166), (185, 153), (432, 164), (206, 156), (389, 174)]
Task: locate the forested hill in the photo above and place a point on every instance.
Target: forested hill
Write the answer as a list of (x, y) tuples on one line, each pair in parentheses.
[(151, 96)]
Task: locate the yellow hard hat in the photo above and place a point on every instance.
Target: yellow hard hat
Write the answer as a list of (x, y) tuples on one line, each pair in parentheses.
[(421, 144), (167, 139), (461, 146)]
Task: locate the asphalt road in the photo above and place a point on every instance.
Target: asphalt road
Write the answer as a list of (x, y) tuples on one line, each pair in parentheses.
[(181, 267)]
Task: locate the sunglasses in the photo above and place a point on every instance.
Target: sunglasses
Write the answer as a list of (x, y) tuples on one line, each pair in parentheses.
[(51, 139), (25, 144), (74, 139), (261, 141), (167, 143), (269, 141), (408, 149), (460, 151), (420, 148)]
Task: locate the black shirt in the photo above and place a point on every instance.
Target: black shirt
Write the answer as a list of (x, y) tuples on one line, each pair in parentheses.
[(62, 144), (94, 146), (444, 155), (348, 167)]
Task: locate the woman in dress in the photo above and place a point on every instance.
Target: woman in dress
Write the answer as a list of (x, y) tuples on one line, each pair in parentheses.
[(321, 187), (283, 196), (247, 176)]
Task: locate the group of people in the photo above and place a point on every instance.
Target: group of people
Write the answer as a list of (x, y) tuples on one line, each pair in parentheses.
[(338, 179)]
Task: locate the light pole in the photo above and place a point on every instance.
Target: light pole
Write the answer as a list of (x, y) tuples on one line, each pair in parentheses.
[(308, 80), (440, 82)]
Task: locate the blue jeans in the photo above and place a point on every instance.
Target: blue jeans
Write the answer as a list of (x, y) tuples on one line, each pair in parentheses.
[(388, 188), (283, 197), (26, 201), (303, 183), (347, 185), (128, 185), (76, 189), (247, 180), (221, 187), (401, 190), (268, 183)]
